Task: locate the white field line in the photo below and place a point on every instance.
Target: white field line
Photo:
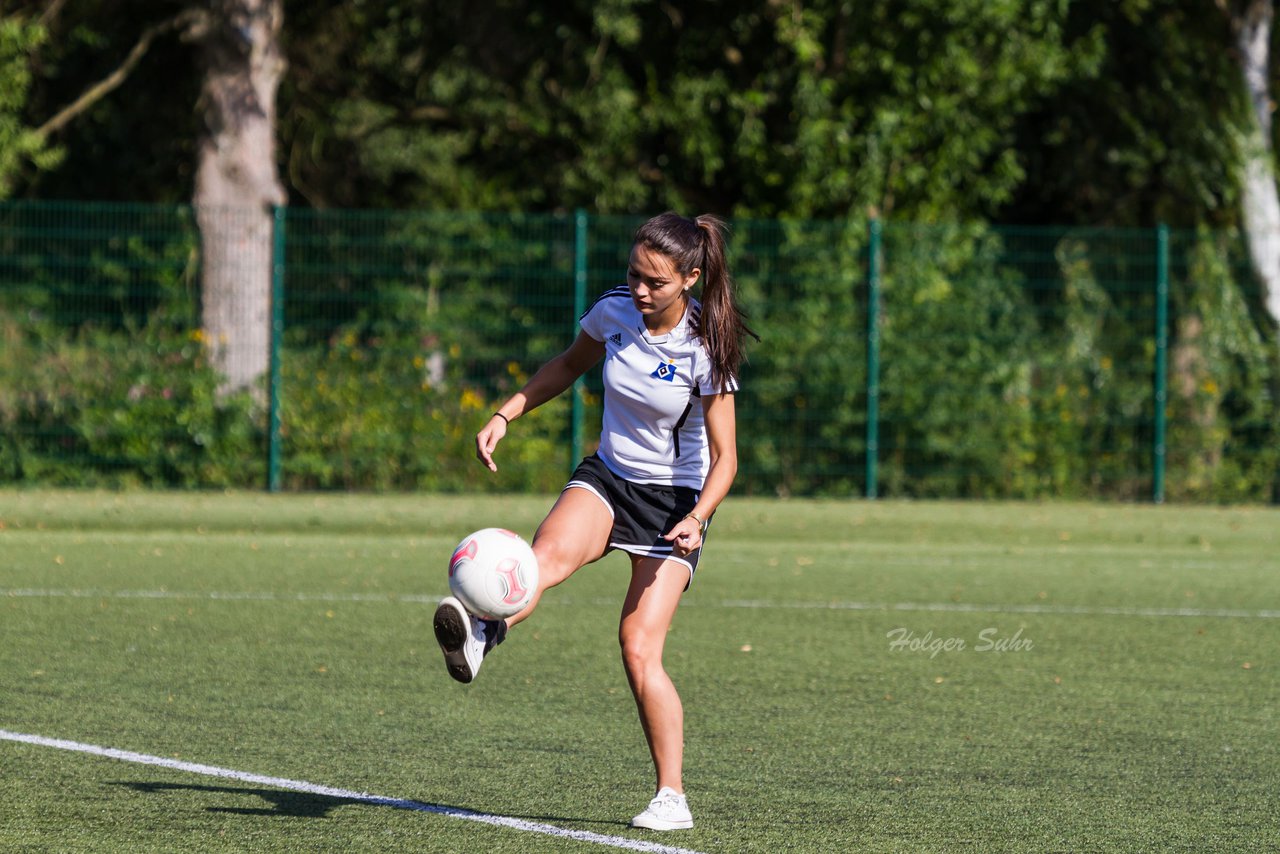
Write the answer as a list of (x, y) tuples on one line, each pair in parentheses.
[(974, 608), (344, 794), (214, 595), (692, 601)]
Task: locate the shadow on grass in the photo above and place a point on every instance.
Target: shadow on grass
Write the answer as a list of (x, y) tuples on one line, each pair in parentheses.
[(284, 803), (288, 804)]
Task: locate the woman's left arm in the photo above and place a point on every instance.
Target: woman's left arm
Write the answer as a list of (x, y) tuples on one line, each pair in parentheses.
[(722, 437)]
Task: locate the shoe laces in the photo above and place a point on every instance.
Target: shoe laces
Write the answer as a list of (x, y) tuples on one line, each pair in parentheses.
[(667, 799)]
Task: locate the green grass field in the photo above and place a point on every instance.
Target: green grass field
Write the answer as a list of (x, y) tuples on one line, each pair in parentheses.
[(1134, 707)]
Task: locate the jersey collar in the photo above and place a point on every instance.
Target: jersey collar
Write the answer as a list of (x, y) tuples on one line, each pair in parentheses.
[(675, 333)]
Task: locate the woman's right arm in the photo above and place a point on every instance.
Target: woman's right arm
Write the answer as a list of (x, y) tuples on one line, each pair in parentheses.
[(550, 380)]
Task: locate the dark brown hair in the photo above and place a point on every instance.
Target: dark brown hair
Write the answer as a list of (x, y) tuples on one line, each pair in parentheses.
[(699, 242)]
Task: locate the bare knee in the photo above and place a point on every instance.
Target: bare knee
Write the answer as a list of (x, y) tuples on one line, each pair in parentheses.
[(555, 563), (640, 652)]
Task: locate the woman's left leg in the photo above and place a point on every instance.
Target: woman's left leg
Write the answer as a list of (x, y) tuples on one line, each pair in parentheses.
[(656, 585)]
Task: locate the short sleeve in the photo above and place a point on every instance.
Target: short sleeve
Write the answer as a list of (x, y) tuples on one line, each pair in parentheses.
[(708, 383), (594, 320)]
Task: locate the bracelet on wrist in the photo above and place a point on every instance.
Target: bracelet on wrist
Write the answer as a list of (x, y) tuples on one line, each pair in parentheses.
[(702, 526), (503, 417)]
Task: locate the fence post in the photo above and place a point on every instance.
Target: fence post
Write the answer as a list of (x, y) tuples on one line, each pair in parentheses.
[(277, 332), (873, 354), (1161, 366), (579, 306)]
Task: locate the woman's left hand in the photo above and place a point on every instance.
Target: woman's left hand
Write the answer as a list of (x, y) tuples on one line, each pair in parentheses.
[(685, 537)]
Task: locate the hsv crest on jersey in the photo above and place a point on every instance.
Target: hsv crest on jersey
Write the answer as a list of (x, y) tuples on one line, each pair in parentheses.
[(664, 371)]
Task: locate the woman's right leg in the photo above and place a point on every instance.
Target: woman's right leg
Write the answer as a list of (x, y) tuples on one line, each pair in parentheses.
[(574, 534)]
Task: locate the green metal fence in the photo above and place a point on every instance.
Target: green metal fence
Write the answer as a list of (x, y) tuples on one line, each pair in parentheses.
[(897, 359)]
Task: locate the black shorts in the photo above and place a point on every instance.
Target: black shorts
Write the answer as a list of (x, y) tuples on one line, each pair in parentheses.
[(642, 512)]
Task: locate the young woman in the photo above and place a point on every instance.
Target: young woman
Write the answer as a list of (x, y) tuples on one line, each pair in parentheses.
[(666, 459)]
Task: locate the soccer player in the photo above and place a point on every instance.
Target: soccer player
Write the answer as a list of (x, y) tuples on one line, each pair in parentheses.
[(667, 457)]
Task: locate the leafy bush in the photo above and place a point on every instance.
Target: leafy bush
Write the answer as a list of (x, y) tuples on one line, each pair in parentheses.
[(375, 415), (1015, 363), (957, 338), (105, 408), (1224, 435), (802, 410)]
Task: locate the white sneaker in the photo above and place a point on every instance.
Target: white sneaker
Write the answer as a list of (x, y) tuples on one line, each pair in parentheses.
[(464, 639), (667, 811)]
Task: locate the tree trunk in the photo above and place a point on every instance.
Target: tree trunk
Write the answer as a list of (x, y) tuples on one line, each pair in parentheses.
[(1203, 435), (1252, 25), (237, 184)]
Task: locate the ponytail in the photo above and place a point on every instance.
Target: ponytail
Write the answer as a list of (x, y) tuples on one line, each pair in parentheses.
[(700, 243), (723, 323)]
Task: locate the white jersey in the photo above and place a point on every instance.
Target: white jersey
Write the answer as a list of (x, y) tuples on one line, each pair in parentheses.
[(653, 430)]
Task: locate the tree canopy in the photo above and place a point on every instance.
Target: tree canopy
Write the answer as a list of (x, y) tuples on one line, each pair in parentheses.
[(1011, 110)]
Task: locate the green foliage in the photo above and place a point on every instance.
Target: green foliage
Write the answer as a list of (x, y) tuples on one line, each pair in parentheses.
[(109, 265), (139, 143), (817, 114), (1044, 111), (1092, 367), (463, 308), (802, 406), (1152, 136), (1224, 414), (116, 408), (103, 381), (381, 413), (753, 109), (914, 116), (1014, 362), (956, 340), (20, 145)]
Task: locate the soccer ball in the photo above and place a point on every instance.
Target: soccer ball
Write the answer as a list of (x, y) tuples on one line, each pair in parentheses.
[(494, 573)]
